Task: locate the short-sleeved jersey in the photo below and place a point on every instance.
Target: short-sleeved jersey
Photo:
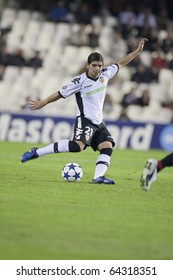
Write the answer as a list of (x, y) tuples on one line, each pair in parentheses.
[(90, 93)]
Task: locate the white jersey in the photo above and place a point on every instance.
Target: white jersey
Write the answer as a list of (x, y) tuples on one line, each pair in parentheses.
[(90, 93)]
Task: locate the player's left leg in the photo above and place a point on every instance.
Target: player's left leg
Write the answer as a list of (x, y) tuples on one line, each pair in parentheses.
[(103, 142), (102, 163)]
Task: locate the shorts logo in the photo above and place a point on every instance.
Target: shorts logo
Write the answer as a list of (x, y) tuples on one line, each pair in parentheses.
[(79, 131), (102, 80)]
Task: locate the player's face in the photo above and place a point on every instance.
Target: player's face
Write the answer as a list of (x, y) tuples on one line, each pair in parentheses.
[(94, 69)]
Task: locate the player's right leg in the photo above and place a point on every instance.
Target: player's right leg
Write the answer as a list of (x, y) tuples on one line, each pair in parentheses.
[(32, 154), (61, 146), (149, 174)]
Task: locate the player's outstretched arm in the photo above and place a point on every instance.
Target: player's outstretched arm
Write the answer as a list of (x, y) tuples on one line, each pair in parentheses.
[(126, 59), (38, 104)]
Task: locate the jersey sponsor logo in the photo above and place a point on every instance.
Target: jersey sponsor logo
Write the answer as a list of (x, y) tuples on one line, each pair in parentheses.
[(64, 87), (76, 80), (95, 91)]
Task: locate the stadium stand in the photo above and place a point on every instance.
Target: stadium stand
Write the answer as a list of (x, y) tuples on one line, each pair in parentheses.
[(30, 30)]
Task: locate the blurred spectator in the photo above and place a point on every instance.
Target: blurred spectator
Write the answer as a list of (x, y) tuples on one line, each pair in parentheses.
[(144, 100), (108, 103), (127, 15), (123, 115), (152, 35), (93, 37), (146, 19), (17, 58), (2, 69), (3, 39), (153, 73), (162, 19), (35, 61), (127, 19), (167, 43), (129, 31), (5, 57), (59, 12), (170, 64), (159, 60), (129, 98), (141, 74), (83, 13)]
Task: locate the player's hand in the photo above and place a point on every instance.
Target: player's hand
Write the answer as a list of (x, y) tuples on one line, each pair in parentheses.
[(35, 105), (141, 44)]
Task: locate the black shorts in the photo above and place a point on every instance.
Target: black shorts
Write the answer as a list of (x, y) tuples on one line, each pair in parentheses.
[(91, 134)]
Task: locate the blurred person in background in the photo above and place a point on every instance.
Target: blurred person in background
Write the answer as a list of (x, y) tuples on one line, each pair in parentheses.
[(129, 98), (141, 74), (159, 59), (144, 99), (59, 12), (152, 168)]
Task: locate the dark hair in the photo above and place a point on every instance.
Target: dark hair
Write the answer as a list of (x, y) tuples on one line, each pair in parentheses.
[(95, 56)]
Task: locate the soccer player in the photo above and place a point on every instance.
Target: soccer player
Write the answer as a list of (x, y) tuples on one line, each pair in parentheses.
[(89, 130), (152, 167)]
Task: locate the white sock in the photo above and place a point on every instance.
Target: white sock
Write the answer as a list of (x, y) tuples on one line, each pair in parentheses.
[(102, 164), (63, 146)]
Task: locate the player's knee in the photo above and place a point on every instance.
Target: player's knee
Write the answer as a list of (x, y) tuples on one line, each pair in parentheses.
[(74, 147)]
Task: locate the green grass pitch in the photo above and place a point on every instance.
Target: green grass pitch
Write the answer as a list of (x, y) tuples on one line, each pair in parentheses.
[(43, 217)]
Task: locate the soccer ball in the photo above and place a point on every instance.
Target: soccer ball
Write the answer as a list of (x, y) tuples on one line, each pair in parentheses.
[(72, 172)]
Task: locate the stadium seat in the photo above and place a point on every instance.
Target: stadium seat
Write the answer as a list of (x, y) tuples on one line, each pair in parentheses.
[(62, 34), (24, 15), (84, 52), (37, 16), (158, 92), (111, 21), (13, 42), (33, 28), (19, 27), (124, 76), (97, 22), (29, 45), (44, 42), (134, 112), (162, 34), (5, 88), (165, 76), (145, 57), (27, 74), (11, 73), (170, 92), (7, 17)]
